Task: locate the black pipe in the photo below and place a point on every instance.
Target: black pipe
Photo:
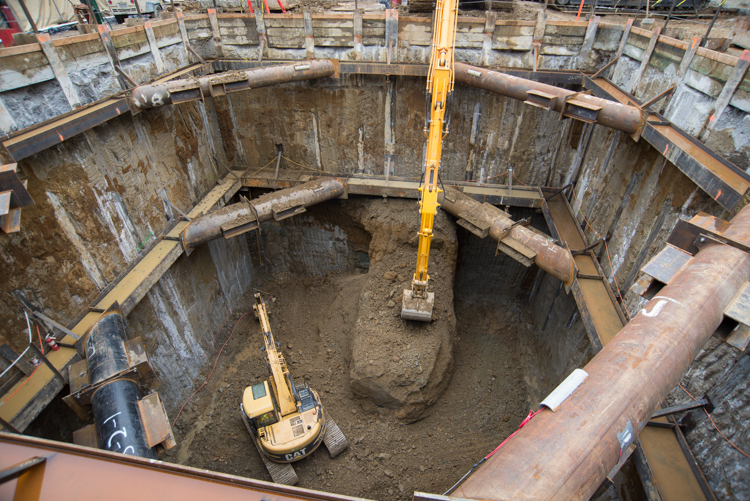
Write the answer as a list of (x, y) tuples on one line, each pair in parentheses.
[(118, 422), (105, 347), (119, 427)]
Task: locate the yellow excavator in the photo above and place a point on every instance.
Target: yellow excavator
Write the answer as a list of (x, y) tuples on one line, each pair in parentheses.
[(286, 422), (418, 303)]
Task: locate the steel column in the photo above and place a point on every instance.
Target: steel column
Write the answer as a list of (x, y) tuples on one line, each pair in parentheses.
[(566, 455)]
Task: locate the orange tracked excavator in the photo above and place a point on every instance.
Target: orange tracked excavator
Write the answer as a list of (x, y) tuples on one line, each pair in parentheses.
[(418, 303), (286, 421)]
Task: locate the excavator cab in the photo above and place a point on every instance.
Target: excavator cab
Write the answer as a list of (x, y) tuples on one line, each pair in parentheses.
[(258, 406)]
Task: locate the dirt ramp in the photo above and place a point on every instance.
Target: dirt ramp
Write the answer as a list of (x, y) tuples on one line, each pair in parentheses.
[(400, 364)]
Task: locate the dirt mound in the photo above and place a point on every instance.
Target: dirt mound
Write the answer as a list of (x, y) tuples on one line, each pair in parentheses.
[(399, 364)]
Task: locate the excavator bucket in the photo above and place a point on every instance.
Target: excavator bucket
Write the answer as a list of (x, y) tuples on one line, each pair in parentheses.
[(413, 308)]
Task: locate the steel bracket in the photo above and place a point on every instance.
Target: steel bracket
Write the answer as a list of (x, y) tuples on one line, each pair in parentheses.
[(287, 209), (478, 227), (579, 110), (523, 222), (541, 99), (155, 424), (139, 371)]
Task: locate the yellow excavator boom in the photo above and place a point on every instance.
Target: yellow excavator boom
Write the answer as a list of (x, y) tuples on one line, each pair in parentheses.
[(279, 371), (417, 302)]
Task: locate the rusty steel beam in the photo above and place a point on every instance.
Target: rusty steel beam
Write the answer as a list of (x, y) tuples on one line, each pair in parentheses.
[(550, 257), (76, 472), (568, 453), (179, 91), (629, 119), (247, 215)]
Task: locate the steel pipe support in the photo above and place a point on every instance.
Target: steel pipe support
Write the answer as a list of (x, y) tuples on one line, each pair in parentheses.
[(177, 91), (264, 208), (550, 257), (114, 404), (118, 421), (568, 453), (105, 346), (629, 119)]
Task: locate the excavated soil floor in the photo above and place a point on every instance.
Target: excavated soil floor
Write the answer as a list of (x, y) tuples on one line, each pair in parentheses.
[(485, 401)]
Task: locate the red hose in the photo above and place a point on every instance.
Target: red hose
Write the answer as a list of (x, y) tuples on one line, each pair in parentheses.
[(250, 6), (282, 7), (580, 9), (268, 11)]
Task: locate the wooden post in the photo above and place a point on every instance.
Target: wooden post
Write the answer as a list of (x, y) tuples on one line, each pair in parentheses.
[(489, 32), (109, 48), (726, 93), (154, 47), (215, 33), (183, 34), (588, 41), (61, 75), (631, 85), (687, 58), (260, 27), (391, 35), (357, 31), (309, 38)]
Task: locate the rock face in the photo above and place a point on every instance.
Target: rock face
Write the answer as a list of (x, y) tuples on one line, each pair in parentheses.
[(395, 363)]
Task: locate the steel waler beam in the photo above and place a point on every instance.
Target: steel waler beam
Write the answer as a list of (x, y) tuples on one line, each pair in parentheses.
[(568, 453), (247, 215), (485, 219), (180, 91), (629, 119)]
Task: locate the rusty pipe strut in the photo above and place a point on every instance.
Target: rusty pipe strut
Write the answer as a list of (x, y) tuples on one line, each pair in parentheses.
[(550, 257), (568, 453), (179, 91), (629, 119), (247, 215)]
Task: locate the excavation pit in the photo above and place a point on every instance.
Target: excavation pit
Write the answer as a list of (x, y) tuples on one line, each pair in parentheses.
[(498, 366), (420, 403)]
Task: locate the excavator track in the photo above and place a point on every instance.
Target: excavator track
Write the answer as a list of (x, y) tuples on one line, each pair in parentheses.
[(280, 473), (334, 439)]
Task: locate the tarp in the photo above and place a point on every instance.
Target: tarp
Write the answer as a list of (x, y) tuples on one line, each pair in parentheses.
[(45, 12)]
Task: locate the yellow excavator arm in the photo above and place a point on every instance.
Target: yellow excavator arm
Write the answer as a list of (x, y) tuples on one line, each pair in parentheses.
[(417, 302), (281, 386)]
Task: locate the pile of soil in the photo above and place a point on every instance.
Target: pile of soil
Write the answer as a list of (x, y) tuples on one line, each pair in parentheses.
[(403, 365)]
